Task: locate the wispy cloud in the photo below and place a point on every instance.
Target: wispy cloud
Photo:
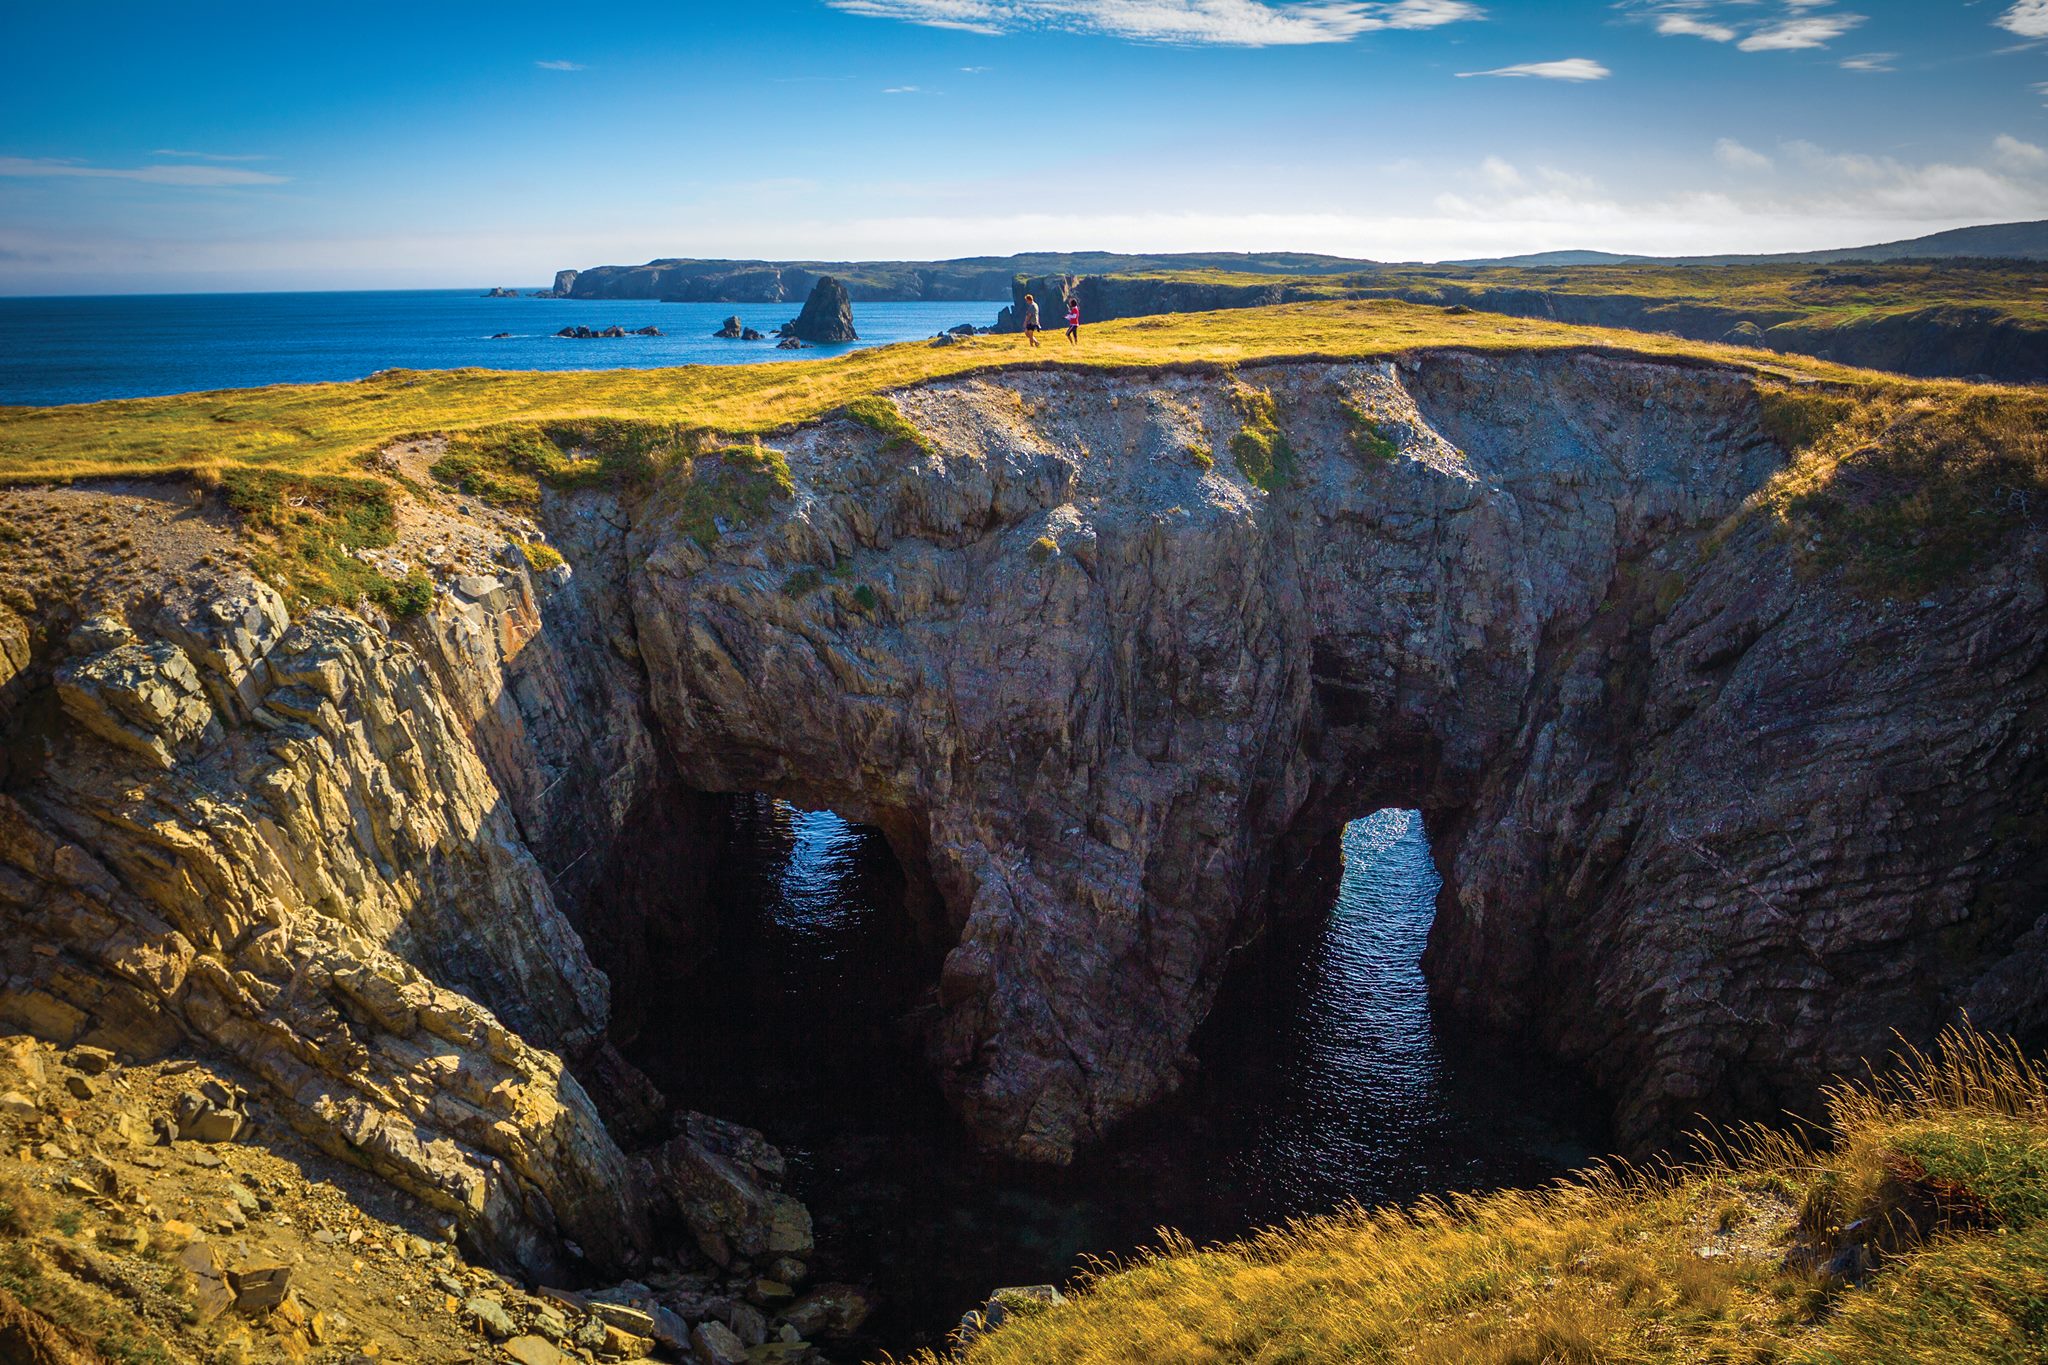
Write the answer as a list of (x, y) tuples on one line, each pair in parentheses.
[(1785, 26), (195, 176), (1794, 35), (1227, 23), (2022, 155), (1570, 69), (1737, 157), (559, 65), (2028, 18), (207, 156), (905, 90), (1691, 26), (976, 70), (1871, 61)]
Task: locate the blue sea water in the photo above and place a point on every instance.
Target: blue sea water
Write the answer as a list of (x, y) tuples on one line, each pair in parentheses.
[(80, 350)]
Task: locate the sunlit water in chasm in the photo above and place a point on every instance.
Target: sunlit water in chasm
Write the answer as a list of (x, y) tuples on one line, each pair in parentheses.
[(1322, 1080)]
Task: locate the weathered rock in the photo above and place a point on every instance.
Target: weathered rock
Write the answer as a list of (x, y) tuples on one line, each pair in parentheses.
[(830, 1310), (827, 316), (489, 1314), (1524, 624), (715, 1344), (748, 1323), (531, 1350), (259, 1286), (206, 1280), (732, 329)]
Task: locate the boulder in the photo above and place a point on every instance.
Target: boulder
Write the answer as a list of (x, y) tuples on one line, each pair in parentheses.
[(790, 344), (647, 331), (733, 329), (531, 1350), (749, 334), (715, 1344), (259, 1286), (490, 1315), (827, 317), (830, 1310)]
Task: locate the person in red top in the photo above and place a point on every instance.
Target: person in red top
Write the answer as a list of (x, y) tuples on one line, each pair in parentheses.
[(1073, 320)]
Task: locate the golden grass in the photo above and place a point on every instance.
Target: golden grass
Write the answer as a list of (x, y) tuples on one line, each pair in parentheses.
[(1907, 487), (1682, 1264), (324, 428)]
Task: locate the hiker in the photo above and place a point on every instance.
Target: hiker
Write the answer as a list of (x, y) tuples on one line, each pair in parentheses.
[(1073, 319), (1031, 319)]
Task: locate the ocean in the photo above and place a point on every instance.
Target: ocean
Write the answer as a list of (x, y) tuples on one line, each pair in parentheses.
[(81, 350)]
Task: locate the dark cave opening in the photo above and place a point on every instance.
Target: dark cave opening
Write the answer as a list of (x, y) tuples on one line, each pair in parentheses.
[(1321, 1075)]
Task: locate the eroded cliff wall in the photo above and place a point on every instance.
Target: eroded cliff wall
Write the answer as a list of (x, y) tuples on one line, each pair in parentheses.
[(1110, 659)]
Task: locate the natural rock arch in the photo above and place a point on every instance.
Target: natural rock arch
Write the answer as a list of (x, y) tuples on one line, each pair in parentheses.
[(1110, 699)]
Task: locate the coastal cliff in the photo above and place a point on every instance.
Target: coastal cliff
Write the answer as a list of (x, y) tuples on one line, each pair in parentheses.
[(1110, 659)]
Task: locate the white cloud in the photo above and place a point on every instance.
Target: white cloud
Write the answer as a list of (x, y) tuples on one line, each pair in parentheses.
[(198, 176), (904, 90), (1500, 174), (559, 65), (1230, 23), (1687, 26), (1570, 69), (2028, 18), (1871, 61), (1793, 35), (2023, 155), (205, 156), (1737, 157)]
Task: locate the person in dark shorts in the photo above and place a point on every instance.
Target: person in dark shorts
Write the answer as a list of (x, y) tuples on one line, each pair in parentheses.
[(1073, 319), (1031, 319)]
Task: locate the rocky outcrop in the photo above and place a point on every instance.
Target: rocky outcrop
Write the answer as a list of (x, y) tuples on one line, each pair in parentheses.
[(564, 286), (827, 316), (1115, 706), (1712, 821)]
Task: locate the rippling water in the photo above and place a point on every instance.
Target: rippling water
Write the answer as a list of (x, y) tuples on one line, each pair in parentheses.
[(1323, 1080), (80, 350)]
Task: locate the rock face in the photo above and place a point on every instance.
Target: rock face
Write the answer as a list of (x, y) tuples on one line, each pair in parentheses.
[(1109, 703), (1710, 823), (827, 318)]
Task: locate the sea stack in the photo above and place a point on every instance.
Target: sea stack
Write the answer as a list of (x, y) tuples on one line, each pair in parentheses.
[(827, 315)]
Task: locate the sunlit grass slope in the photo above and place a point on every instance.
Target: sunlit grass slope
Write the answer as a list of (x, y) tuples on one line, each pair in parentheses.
[(322, 428), (1927, 1194), (1818, 293)]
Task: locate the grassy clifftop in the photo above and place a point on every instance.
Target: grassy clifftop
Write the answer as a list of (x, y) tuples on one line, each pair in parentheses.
[(315, 429), (1914, 1228)]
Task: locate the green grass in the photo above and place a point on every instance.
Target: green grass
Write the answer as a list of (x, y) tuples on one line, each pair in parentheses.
[(1264, 455), (725, 490), (307, 528), (1368, 437), (1822, 295), (1907, 489), (1682, 1264), (325, 429), (880, 415)]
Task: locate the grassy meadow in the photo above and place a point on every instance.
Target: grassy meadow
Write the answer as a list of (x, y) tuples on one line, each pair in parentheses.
[(316, 429)]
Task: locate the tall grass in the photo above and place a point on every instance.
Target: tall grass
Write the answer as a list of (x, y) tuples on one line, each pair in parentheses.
[(1723, 1259)]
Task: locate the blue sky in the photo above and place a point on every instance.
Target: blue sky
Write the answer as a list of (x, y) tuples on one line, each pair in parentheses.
[(215, 146)]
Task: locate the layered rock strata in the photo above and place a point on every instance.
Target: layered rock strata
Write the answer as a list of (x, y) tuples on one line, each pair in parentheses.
[(1710, 824)]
